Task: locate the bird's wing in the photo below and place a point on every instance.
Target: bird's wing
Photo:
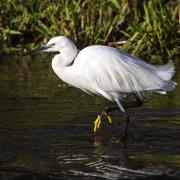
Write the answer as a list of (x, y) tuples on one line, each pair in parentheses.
[(108, 70)]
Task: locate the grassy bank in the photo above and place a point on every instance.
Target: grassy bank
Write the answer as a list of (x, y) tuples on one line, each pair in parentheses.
[(145, 28)]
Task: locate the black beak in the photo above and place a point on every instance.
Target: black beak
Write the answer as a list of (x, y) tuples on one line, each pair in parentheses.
[(42, 48)]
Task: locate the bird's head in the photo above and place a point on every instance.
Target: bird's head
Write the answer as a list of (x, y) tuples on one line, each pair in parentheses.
[(56, 44)]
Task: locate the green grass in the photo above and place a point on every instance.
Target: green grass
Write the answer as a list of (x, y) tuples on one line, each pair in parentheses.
[(145, 28)]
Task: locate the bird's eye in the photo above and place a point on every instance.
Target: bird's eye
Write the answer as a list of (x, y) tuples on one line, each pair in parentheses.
[(53, 44)]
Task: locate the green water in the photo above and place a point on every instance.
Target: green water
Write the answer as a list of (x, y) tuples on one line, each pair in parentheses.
[(46, 129)]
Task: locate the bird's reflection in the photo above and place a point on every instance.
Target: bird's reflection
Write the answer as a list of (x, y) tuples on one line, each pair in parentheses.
[(110, 149)]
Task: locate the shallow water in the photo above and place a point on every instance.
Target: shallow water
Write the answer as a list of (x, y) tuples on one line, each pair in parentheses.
[(46, 130)]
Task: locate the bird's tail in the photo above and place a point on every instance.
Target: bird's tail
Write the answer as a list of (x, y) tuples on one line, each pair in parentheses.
[(166, 72)]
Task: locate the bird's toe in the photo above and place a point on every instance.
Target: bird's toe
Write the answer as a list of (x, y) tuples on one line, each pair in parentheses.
[(109, 119), (97, 123)]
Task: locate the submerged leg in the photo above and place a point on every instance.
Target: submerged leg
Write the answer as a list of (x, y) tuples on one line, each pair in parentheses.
[(126, 117), (134, 104)]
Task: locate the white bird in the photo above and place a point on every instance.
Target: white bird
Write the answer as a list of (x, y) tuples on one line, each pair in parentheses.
[(108, 72)]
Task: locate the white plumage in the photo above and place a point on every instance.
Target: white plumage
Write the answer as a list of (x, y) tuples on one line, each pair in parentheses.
[(111, 73), (107, 71)]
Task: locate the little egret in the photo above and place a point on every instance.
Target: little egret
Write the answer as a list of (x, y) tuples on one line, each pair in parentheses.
[(108, 72)]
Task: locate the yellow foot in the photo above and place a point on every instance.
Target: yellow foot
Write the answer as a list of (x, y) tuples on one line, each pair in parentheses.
[(97, 122), (109, 119)]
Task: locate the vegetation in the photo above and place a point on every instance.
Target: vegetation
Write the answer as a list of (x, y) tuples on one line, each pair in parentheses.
[(146, 28)]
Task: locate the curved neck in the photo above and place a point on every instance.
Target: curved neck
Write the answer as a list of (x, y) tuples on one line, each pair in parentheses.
[(62, 61), (66, 56)]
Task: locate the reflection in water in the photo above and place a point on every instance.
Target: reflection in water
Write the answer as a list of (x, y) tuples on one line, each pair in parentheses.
[(46, 130)]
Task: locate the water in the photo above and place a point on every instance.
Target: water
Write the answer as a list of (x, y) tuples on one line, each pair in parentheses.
[(46, 130)]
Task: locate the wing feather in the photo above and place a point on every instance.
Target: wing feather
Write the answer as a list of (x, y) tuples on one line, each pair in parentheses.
[(112, 72)]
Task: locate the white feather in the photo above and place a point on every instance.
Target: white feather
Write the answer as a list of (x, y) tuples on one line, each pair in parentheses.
[(115, 72), (108, 71)]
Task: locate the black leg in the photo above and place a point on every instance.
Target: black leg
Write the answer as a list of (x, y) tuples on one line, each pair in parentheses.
[(110, 109), (125, 132), (137, 102)]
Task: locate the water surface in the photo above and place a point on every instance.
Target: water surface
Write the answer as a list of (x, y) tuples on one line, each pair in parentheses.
[(46, 129)]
